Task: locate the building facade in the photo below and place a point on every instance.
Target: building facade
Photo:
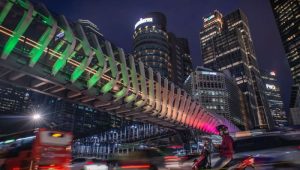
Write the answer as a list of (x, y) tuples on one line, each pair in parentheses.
[(14, 100), (15, 107), (79, 119), (151, 42), (294, 118), (287, 17), (161, 50), (226, 44), (180, 59), (219, 93), (273, 95)]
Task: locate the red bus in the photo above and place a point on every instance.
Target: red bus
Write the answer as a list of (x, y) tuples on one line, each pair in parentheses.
[(39, 149)]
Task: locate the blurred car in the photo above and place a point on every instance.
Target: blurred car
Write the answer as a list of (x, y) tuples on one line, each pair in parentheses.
[(150, 158), (270, 151), (88, 164)]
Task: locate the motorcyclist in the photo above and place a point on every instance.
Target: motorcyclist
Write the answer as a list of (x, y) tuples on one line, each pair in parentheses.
[(225, 149), (203, 162)]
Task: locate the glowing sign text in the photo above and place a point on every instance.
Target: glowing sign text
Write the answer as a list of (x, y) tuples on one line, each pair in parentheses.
[(271, 86), (142, 21)]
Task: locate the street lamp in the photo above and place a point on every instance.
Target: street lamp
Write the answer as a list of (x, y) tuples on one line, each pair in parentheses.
[(36, 116)]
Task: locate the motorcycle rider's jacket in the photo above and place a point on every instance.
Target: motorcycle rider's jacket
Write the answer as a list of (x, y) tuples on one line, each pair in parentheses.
[(226, 147)]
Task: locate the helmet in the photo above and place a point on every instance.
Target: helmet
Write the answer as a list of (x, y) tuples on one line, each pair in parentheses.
[(221, 128)]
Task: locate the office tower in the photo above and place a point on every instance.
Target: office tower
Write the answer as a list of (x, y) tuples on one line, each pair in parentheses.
[(218, 92), (275, 102), (78, 119), (151, 42), (14, 100), (15, 107), (181, 64), (226, 44), (294, 117), (161, 50), (287, 16)]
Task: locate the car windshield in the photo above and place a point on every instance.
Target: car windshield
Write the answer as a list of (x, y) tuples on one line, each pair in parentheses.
[(263, 142)]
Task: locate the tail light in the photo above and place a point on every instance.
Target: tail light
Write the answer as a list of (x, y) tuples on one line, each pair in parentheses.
[(146, 166), (249, 161), (171, 158), (245, 163), (89, 163)]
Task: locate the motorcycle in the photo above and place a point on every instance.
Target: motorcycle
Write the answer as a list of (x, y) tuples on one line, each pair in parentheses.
[(204, 162)]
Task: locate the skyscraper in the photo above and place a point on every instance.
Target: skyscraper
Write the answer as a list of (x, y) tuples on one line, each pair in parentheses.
[(151, 42), (275, 102), (181, 63), (287, 16), (226, 44), (218, 92), (294, 118), (14, 100), (15, 108), (161, 50), (78, 119)]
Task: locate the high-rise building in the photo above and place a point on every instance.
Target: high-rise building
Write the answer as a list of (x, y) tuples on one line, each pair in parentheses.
[(226, 44), (78, 119), (294, 118), (15, 107), (151, 42), (219, 93), (14, 100), (287, 16), (162, 51), (181, 63), (275, 102)]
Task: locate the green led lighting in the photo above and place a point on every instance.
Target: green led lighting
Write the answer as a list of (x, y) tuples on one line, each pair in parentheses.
[(45, 39), (130, 98), (107, 87), (5, 11), (18, 32), (87, 51), (134, 82), (101, 61), (94, 79), (125, 79), (113, 69), (139, 103), (79, 70), (69, 37), (144, 99)]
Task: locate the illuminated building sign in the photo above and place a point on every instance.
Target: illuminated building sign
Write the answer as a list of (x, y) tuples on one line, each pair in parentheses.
[(271, 86), (208, 73), (142, 21), (272, 73), (209, 18)]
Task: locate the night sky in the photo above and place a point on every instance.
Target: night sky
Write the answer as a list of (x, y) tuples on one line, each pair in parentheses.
[(116, 20)]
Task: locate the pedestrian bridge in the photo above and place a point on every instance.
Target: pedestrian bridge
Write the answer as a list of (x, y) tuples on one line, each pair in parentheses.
[(48, 54)]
